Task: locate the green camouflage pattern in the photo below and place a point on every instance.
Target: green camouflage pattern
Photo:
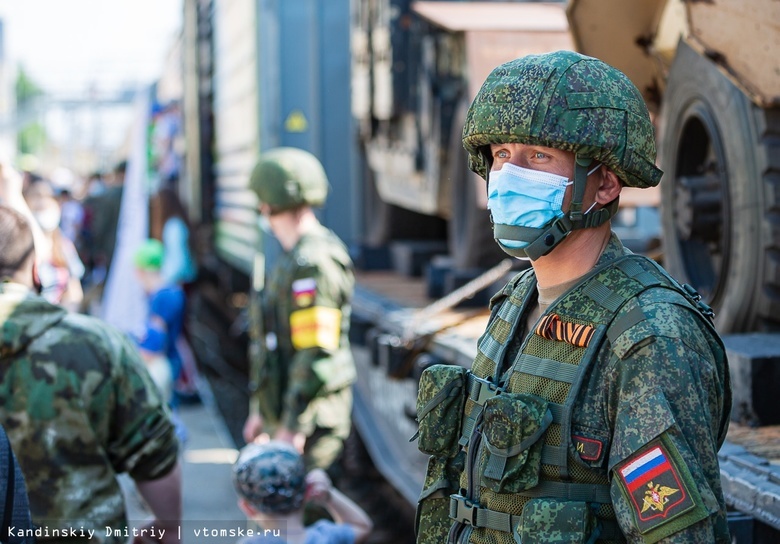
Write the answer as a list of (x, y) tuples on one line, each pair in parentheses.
[(441, 398), (567, 101), (512, 453), (660, 373), (271, 476), (441, 480), (306, 387), (287, 177), (79, 407), (556, 522)]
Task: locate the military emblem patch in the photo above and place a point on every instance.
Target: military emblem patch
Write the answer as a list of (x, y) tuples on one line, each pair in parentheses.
[(658, 492), (303, 292)]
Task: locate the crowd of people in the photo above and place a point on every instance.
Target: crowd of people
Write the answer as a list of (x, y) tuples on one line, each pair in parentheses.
[(116, 395), (593, 410)]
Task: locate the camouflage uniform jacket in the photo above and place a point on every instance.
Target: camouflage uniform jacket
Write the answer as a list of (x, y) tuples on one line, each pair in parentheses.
[(79, 407), (306, 309), (642, 390)]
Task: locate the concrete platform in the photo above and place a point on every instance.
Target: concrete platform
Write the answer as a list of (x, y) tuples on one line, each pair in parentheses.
[(210, 512)]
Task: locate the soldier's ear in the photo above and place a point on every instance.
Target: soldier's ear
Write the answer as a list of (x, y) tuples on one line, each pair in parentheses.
[(609, 186)]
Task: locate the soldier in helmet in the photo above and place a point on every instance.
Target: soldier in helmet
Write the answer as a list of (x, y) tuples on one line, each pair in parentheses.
[(304, 371), (600, 393)]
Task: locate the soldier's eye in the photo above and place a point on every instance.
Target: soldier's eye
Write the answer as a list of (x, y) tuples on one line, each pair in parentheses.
[(502, 154), (540, 155)]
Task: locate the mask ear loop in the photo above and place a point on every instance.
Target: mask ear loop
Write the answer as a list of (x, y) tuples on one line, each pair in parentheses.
[(580, 181), (598, 165)]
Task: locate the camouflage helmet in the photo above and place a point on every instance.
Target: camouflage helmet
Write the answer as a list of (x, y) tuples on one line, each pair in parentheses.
[(567, 101), (288, 177), (271, 476)]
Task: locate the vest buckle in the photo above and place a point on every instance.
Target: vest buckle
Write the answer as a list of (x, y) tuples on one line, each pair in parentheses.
[(462, 510), (482, 389)]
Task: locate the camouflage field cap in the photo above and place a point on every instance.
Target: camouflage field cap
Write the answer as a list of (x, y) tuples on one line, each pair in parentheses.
[(149, 256), (271, 476), (567, 101), (287, 177)]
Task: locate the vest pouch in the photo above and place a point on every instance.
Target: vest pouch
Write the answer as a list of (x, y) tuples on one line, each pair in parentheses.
[(441, 400), (433, 507), (559, 521), (513, 437)]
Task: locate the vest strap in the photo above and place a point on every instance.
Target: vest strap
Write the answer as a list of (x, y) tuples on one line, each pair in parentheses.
[(570, 491), (553, 455), (479, 390), (637, 272), (547, 368), (624, 322), (604, 296), (463, 511)]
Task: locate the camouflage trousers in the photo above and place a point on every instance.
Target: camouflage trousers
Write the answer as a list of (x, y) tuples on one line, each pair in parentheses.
[(325, 444)]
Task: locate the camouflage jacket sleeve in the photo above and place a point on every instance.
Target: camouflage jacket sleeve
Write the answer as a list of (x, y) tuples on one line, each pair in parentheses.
[(141, 437), (321, 361), (668, 404)]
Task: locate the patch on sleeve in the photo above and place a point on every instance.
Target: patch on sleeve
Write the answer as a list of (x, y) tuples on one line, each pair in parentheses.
[(303, 292), (316, 327), (660, 489), (589, 449)]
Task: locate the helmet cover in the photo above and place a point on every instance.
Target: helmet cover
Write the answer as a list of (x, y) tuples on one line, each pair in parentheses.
[(286, 177), (567, 101)]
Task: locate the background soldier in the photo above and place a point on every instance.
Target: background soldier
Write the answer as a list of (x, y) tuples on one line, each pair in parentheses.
[(304, 371), (77, 404), (614, 387)]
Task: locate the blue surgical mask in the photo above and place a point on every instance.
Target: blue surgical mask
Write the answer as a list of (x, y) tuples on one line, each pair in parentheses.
[(525, 198), (521, 197)]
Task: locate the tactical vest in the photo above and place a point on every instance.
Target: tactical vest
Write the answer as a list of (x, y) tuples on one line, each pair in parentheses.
[(503, 468)]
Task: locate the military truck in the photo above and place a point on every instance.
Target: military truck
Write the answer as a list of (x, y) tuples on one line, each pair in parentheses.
[(415, 68), (710, 74)]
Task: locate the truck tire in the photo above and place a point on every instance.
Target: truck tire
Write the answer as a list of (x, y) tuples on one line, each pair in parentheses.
[(721, 194), (470, 234)]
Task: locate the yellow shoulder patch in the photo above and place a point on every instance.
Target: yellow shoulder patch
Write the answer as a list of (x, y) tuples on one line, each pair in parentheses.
[(316, 327)]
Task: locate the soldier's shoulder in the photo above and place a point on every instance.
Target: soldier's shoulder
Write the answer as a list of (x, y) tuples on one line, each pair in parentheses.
[(92, 334), (657, 313), (322, 246)]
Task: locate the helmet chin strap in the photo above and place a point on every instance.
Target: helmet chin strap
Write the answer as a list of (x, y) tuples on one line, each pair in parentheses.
[(542, 241)]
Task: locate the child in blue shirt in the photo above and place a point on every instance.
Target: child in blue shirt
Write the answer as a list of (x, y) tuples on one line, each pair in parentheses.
[(164, 323)]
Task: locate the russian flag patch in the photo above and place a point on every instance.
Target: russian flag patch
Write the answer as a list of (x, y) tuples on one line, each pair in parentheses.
[(303, 292), (658, 492)]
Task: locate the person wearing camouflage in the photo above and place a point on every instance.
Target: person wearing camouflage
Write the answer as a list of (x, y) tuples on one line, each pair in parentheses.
[(79, 408), (600, 393), (300, 361)]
